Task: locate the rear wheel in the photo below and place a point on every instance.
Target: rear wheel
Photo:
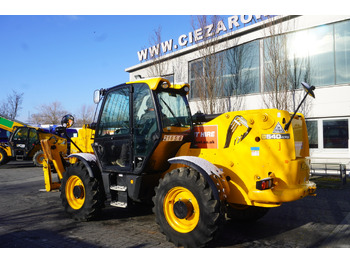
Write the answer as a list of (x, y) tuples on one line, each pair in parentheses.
[(38, 158), (185, 208), (81, 195)]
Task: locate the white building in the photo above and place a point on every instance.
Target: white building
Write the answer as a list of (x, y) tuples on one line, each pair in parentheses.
[(322, 43)]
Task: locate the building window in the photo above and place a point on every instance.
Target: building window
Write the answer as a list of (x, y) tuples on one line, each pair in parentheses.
[(342, 52), (312, 132), (321, 55), (306, 55), (234, 71), (275, 64), (298, 60), (170, 78), (241, 75), (196, 74), (335, 133)]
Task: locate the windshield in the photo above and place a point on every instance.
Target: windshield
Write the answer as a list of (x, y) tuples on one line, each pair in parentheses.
[(21, 134), (175, 112)]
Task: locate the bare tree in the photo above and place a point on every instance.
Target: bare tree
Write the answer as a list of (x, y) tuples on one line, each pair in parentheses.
[(240, 80), (10, 108), (276, 69), (85, 115), (208, 82), (283, 71), (49, 114), (159, 66)]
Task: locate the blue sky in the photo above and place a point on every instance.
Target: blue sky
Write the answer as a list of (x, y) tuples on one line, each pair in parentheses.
[(52, 57), (65, 58)]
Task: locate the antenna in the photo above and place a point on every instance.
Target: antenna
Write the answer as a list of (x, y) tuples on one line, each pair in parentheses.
[(309, 91)]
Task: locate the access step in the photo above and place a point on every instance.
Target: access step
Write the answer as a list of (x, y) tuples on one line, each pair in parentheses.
[(19, 157), (118, 188), (119, 204)]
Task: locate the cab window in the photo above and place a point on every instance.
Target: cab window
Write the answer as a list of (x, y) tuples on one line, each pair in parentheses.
[(21, 134), (115, 114), (175, 112)]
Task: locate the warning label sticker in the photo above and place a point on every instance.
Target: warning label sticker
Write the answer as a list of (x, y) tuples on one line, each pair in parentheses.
[(278, 129)]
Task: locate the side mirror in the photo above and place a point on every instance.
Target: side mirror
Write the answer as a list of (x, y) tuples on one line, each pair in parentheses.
[(308, 89), (67, 121), (97, 96)]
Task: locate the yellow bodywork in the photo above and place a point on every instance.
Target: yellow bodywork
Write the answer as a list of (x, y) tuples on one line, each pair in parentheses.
[(7, 150), (84, 140), (55, 148), (265, 151)]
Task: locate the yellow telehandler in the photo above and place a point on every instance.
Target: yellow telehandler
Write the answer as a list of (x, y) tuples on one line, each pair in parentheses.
[(24, 142), (196, 169)]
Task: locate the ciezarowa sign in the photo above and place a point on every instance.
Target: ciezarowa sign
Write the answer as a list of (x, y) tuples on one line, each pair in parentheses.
[(233, 23)]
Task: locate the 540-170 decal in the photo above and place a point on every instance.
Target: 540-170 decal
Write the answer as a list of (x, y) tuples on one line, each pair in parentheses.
[(275, 136)]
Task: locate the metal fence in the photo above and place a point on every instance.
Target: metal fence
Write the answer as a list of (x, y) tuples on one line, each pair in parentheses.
[(329, 169)]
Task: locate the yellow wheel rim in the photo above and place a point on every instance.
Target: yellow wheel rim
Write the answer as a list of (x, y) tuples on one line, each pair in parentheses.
[(181, 195), (75, 192), (40, 158)]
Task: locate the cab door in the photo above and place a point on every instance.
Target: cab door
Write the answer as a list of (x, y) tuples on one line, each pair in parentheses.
[(113, 137), (23, 140)]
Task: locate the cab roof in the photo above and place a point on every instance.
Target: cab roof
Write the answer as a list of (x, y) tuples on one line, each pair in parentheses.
[(153, 83)]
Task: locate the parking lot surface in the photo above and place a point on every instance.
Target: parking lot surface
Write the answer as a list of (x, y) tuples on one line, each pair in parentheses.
[(32, 217)]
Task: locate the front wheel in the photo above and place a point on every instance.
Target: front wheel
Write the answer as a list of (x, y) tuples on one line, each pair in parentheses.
[(185, 208), (81, 195), (3, 157)]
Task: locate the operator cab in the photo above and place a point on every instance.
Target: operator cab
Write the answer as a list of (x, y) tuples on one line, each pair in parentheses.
[(141, 125), (24, 140)]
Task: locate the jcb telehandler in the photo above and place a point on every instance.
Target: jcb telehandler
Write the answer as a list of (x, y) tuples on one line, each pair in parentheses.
[(24, 142), (146, 144)]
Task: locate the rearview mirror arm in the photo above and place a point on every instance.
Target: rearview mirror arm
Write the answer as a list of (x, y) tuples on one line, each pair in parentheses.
[(290, 121)]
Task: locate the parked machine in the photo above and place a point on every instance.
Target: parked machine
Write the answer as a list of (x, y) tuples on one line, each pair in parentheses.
[(147, 145), (23, 142)]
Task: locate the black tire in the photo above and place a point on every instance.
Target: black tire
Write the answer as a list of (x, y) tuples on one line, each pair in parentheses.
[(38, 158), (81, 195), (245, 214), (185, 221), (3, 157)]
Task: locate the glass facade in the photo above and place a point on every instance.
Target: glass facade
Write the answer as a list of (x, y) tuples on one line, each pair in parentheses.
[(241, 69), (236, 71), (342, 52), (319, 56)]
